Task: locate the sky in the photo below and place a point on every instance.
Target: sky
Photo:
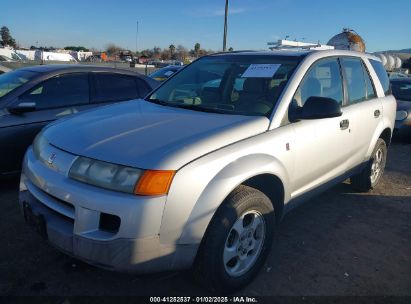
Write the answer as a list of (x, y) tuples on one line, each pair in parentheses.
[(383, 24)]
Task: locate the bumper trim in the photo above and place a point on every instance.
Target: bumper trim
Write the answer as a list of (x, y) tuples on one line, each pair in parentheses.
[(51, 202), (141, 255)]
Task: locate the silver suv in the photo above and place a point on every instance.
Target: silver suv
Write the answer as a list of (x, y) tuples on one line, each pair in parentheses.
[(199, 173)]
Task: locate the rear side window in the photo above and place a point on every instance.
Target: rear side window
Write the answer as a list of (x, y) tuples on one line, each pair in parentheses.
[(114, 87), (382, 75), (354, 77), (60, 91)]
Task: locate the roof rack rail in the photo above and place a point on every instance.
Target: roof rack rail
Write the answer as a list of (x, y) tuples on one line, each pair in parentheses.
[(298, 45), (233, 52)]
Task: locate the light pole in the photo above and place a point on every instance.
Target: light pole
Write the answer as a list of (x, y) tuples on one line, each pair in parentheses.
[(225, 26), (136, 38)]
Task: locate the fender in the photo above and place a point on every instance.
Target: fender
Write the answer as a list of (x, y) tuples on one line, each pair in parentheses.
[(219, 187), (201, 186)]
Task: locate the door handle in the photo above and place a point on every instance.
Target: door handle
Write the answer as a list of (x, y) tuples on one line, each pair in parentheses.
[(344, 124), (377, 113)]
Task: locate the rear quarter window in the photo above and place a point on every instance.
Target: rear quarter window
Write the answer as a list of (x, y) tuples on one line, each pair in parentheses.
[(382, 75)]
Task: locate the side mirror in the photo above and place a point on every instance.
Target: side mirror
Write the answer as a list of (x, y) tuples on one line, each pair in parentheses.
[(319, 107), (22, 107)]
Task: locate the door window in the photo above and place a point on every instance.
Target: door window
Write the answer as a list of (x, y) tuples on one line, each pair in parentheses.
[(354, 76), (60, 91), (369, 85), (322, 80), (114, 87), (382, 75)]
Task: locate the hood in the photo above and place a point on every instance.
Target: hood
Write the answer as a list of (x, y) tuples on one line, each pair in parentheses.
[(144, 135)]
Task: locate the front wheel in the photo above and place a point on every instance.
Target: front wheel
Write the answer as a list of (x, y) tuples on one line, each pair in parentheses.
[(369, 177), (237, 241)]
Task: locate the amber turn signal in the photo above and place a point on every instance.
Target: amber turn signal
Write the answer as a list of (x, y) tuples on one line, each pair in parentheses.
[(154, 182)]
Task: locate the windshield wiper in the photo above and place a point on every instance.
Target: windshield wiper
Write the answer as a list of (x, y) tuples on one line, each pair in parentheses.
[(158, 101), (187, 106), (201, 108)]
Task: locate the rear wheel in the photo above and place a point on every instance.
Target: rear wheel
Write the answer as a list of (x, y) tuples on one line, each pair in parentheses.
[(237, 241), (370, 176)]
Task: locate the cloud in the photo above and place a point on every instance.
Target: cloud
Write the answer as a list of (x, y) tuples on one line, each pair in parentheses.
[(231, 11)]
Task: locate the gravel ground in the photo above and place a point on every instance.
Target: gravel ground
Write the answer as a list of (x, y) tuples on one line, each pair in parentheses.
[(339, 244)]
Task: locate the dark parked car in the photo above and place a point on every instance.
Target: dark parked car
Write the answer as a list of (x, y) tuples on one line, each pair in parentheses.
[(32, 97), (401, 89), (165, 73)]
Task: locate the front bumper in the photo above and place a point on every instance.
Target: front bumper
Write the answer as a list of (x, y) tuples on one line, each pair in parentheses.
[(72, 213)]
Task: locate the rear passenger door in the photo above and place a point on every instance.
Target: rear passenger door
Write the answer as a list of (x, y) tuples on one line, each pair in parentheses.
[(362, 108), (112, 87)]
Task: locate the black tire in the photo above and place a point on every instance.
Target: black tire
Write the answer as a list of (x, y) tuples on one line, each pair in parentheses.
[(209, 266), (363, 182)]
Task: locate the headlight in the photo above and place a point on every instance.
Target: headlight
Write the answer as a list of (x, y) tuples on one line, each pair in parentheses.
[(121, 178), (105, 175), (401, 115), (40, 142)]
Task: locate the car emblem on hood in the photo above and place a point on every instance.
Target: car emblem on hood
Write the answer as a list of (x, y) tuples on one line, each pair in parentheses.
[(51, 159)]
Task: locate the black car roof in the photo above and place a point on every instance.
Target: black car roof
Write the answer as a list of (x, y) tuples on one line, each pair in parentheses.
[(57, 68), (296, 53)]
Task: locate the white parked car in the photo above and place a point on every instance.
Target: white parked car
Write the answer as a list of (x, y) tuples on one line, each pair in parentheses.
[(199, 172)]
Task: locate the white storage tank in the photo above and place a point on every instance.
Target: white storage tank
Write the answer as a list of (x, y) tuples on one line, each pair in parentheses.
[(390, 62), (383, 59), (398, 62)]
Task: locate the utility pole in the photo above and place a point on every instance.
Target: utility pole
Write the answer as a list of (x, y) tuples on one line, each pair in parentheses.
[(136, 38), (225, 26)]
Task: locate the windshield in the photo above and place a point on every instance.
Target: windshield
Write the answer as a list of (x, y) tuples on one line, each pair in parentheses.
[(401, 90), (232, 84), (14, 79)]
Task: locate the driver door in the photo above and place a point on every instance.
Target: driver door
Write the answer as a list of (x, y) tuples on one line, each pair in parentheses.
[(54, 98), (321, 144)]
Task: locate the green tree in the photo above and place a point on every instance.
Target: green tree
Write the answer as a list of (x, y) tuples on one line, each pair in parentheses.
[(6, 38), (156, 52), (112, 49), (172, 49), (230, 49), (182, 52), (76, 48), (197, 48)]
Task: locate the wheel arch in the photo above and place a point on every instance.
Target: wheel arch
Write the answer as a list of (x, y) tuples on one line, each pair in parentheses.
[(386, 136), (383, 132), (258, 171), (272, 186)]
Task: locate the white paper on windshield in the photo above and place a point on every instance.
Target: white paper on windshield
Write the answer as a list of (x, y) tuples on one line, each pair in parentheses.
[(261, 70), (168, 73)]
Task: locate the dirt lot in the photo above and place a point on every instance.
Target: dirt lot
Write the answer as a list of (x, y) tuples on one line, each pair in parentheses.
[(340, 243)]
